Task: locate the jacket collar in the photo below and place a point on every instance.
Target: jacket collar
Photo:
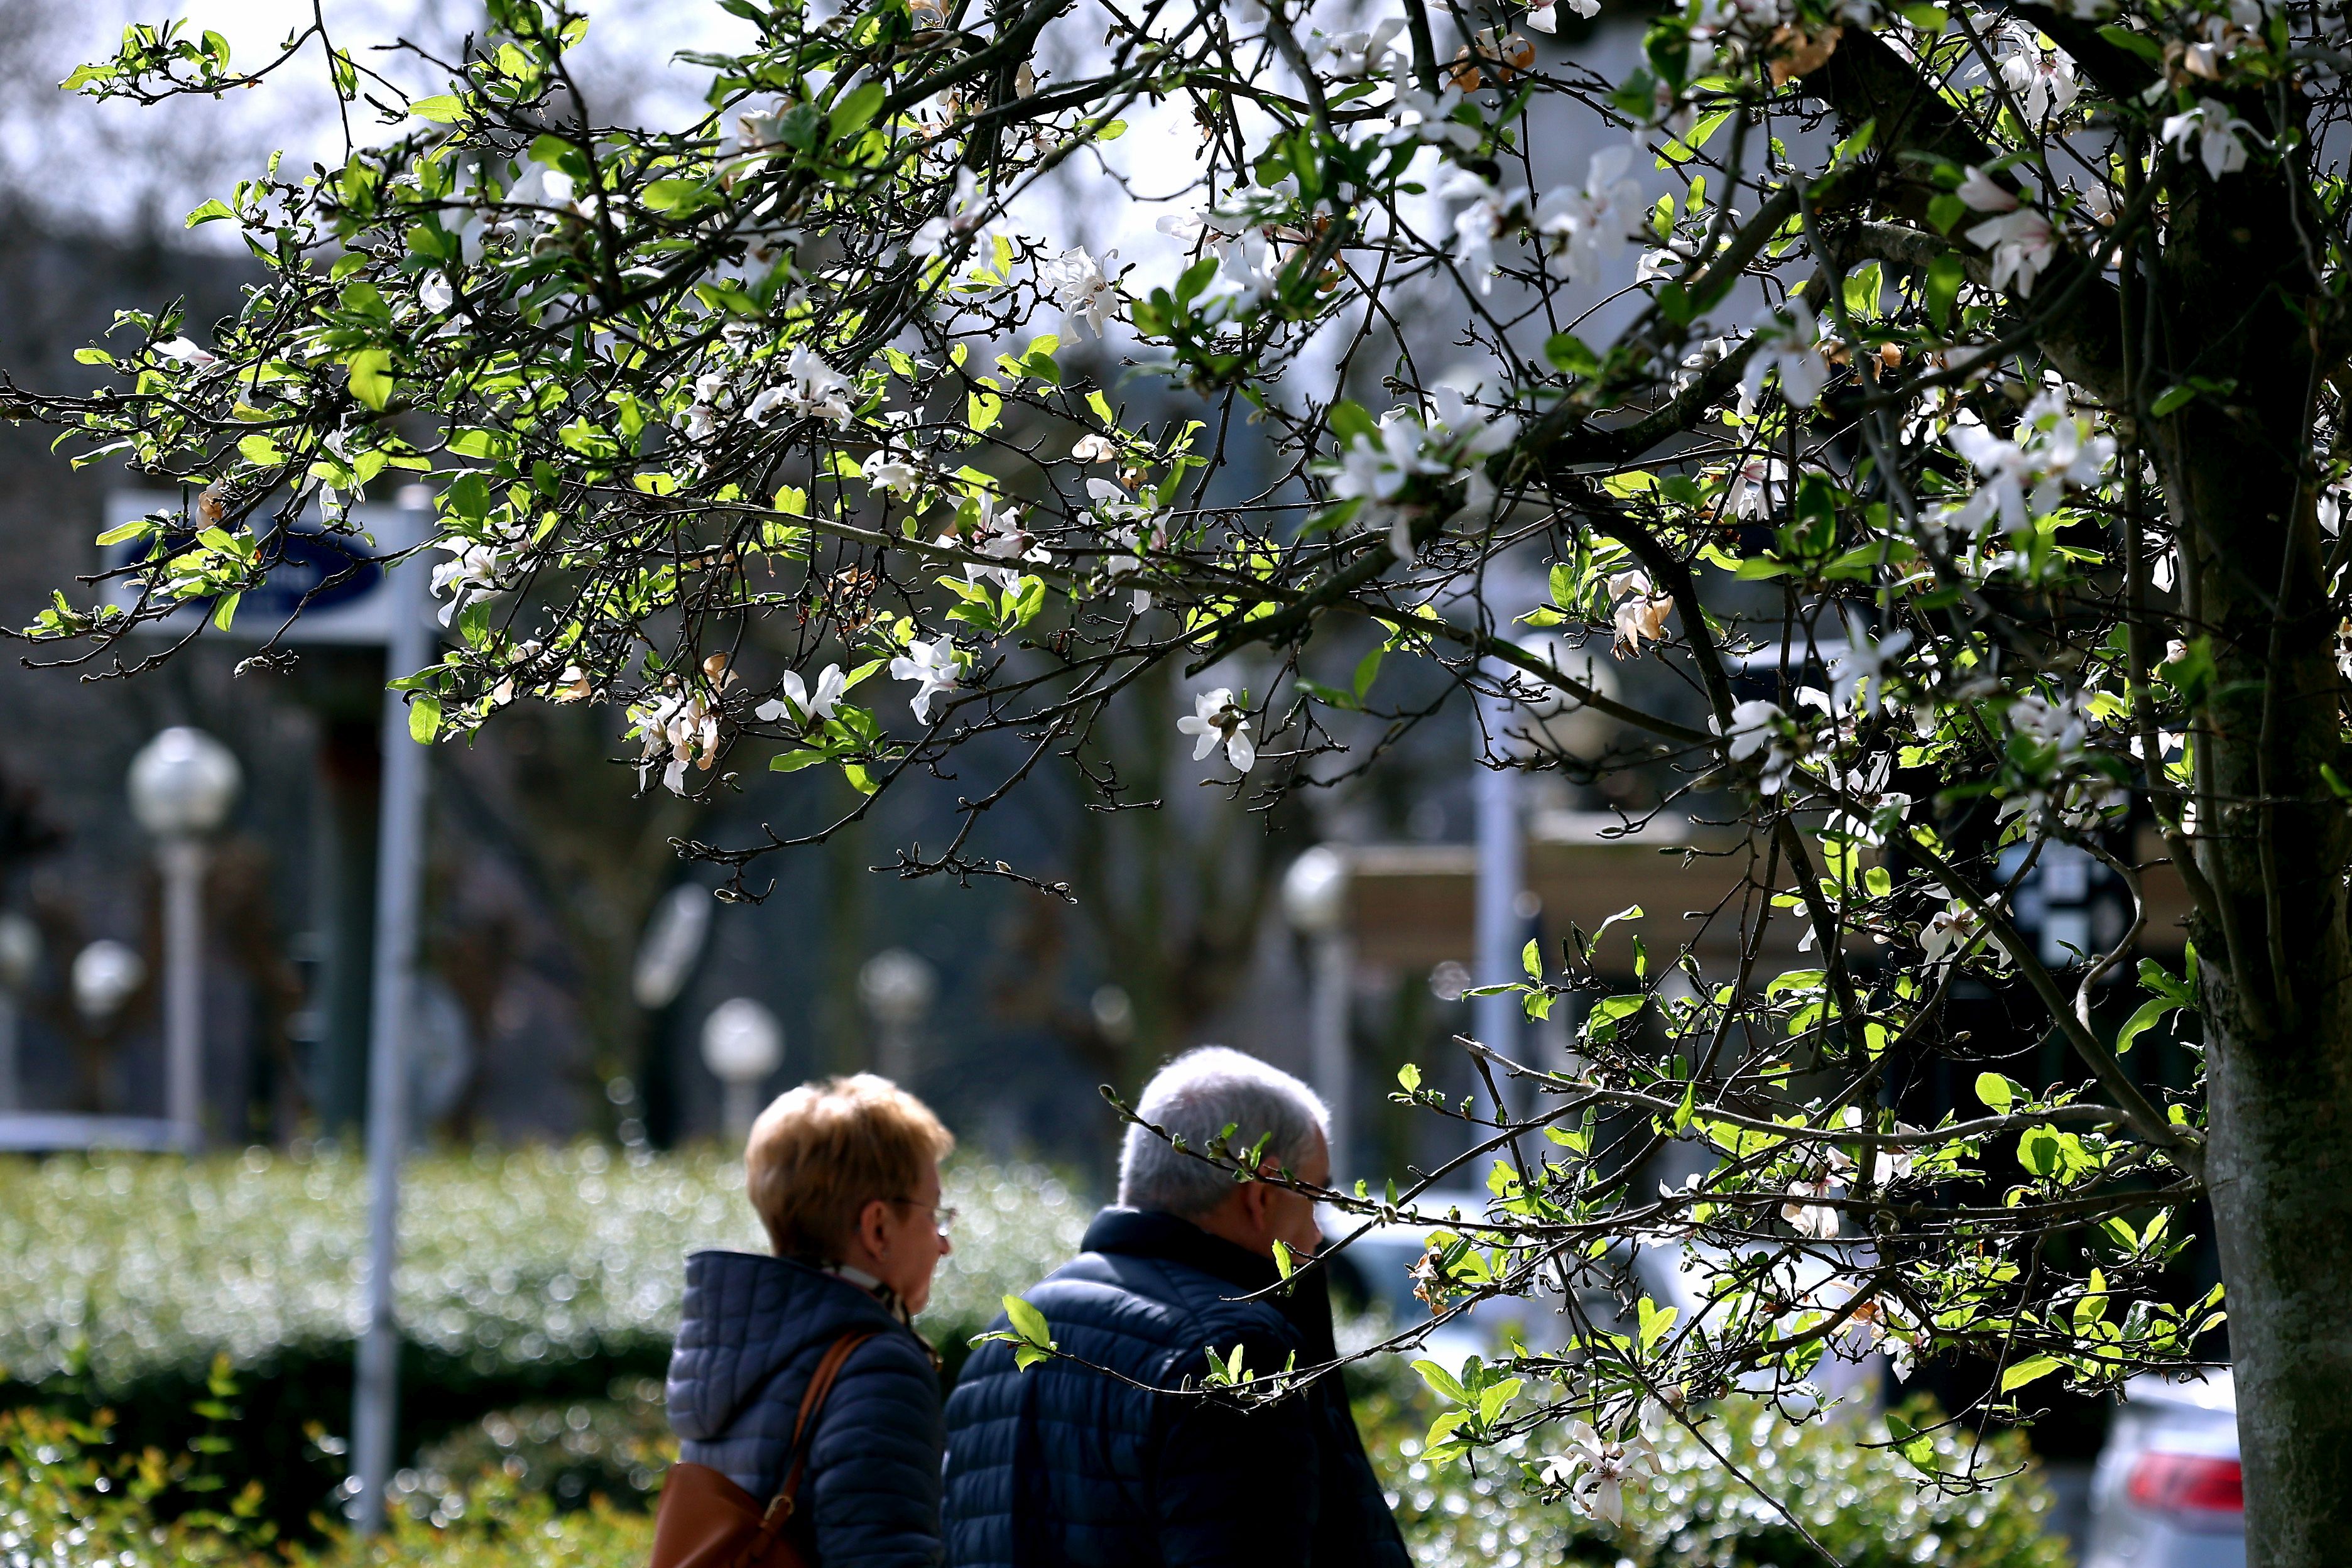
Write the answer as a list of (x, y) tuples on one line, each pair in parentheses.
[(1147, 1233)]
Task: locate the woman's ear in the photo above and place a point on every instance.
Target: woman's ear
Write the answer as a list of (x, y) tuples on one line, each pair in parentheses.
[(874, 1227)]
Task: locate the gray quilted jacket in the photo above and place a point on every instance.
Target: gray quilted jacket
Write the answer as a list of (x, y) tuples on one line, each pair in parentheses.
[(755, 1329)]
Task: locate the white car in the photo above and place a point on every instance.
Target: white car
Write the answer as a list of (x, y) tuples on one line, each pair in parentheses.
[(2168, 1492)]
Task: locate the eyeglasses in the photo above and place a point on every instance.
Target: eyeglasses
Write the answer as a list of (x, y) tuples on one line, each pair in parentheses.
[(943, 1215)]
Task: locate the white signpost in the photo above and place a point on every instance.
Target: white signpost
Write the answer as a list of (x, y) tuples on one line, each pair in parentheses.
[(345, 596)]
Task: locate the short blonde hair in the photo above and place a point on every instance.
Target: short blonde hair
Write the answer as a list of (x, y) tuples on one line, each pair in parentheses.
[(820, 1152)]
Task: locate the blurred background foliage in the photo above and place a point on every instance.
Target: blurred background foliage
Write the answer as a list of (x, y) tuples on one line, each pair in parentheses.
[(177, 1345)]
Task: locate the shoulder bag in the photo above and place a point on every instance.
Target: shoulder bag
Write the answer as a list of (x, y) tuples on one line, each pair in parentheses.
[(706, 1521)]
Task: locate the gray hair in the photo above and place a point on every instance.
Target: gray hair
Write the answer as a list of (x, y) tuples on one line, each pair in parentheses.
[(1198, 1096)]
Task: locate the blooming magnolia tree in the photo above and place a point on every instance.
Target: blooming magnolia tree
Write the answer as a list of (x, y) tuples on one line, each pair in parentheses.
[(1941, 408)]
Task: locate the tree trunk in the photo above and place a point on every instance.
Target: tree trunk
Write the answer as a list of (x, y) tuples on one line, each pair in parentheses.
[(2241, 311)]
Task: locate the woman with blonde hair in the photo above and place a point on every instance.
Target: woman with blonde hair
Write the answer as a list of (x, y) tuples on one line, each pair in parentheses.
[(807, 1408)]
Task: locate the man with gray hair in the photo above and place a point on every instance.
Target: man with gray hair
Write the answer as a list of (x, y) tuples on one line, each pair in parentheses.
[(1083, 1461)]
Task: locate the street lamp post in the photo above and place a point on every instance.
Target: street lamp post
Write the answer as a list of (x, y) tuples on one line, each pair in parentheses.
[(1315, 901), (20, 955), (183, 783), (1498, 915), (896, 987), (742, 1044), (399, 892)]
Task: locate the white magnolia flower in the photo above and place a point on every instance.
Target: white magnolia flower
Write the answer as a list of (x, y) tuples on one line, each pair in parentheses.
[(1595, 1469), (1362, 54), (1863, 669), (965, 219), (1755, 486), (1376, 471), (1789, 343), (2040, 82), (998, 533), (475, 570), (1889, 1333), (1138, 529), (2215, 131), (1980, 191), (886, 471), (1808, 1215), (1759, 728), (1080, 286), (2054, 452), (187, 353), (800, 705), (812, 387), (1543, 16), (682, 725), (1892, 1163), (1641, 614), (2004, 468), (434, 295), (1422, 117), (1580, 228), (2060, 724), (1948, 931), (1094, 449), (1215, 718), (1488, 216), (2022, 243), (934, 664)]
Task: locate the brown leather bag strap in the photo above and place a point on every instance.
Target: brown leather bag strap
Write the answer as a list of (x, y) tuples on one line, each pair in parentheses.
[(780, 1506)]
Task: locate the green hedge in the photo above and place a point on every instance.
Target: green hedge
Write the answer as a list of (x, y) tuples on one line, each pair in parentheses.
[(510, 1259), (531, 1277)]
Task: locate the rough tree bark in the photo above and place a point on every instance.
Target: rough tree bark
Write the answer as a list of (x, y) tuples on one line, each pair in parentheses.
[(2238, 305)]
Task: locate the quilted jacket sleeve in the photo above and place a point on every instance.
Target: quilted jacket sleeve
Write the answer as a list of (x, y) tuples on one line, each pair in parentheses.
[(872, 1488), (1236, 1487)]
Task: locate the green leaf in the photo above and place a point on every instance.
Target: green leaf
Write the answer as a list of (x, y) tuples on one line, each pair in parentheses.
[(794, 762), (1998, 1092), (1945, 275), (1368, 669), (2150, 1013), (852, 113), (1655, 1322), (1531, 959), (2027, 1370), (1914, 1444), (215, 208), (1441, 1382), (2171, 400), (135, 529), (1409, 1077), (678, 196), (1351, 421), (1282, 1264), (1569, 354), (371, 374), (423, 719), (1496, 1398), (443, 110), (1028, 1321), (225, 611)]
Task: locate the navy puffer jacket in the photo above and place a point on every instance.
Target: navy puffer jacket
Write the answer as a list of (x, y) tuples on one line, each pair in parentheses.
[(1062, 1467), (755, 1329)]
